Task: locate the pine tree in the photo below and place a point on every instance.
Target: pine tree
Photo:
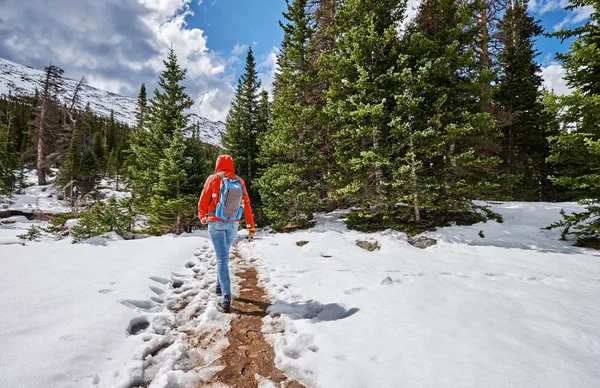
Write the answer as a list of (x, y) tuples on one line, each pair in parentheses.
[(140, 112), (291, 187), (439, 122), (70, 173), (171, 209), (164, 118), (360, 97), (242, 127), (99, 152), (518, 95), (170, 100), (575, 152)]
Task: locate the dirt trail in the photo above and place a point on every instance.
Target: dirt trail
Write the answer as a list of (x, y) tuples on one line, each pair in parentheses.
[(249, 353)]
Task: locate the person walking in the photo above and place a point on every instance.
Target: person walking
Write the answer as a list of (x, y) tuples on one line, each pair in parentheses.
[(223, 201)]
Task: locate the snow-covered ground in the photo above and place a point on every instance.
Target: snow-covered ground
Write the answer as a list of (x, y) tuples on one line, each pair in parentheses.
[(109, 313), (517, 307), (35, 198)]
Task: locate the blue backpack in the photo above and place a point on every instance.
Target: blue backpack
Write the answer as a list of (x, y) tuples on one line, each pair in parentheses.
[(229, 207)]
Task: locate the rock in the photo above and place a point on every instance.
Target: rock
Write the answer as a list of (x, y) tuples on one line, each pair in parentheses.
[(421, 242), (368, 245), (302, 243)]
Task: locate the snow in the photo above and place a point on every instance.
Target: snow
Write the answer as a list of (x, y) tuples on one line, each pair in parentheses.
[(19, 79), (112, 315), (35, 198), (517, 307)]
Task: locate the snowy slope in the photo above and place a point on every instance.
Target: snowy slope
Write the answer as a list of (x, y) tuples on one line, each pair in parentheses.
[(515, 308), (19, 79)]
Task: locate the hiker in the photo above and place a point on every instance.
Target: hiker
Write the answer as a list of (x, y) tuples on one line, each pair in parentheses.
[(223, 201)]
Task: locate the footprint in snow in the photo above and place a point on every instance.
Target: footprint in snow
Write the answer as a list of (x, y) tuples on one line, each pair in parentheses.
[(531, 279), (106, 291), (157, 291), (386, 281), (143, 305), (137, 325), (494, 274), (160, 280), (353, 290)]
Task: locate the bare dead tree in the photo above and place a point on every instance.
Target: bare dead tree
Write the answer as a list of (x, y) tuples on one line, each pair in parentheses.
[(51, 87)]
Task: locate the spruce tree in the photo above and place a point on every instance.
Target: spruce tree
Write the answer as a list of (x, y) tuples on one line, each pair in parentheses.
[(165, 117), (140, 112), (438, 121), (575, 152), (170, 100), (518, 96), (171, 208), (292, 185), (99, 152), (360, 99), (242, 125)]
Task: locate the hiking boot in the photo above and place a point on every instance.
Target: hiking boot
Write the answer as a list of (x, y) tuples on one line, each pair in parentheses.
[(219, 292), (224, 306)]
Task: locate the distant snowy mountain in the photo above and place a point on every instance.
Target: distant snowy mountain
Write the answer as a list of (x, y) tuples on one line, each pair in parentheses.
[(19, 79)]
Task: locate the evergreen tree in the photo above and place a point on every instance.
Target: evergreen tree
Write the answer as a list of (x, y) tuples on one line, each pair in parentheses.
[(360, 97), (575, 152), (291, 187), (140, 112), (518, 95), (99, 152), (242, 127), (439, 122), (10, 158), (171, 208), (170, 100), (70, 173), (165, 117)]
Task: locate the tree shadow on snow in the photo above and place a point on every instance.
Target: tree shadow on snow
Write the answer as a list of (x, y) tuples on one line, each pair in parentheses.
[(311, 309)]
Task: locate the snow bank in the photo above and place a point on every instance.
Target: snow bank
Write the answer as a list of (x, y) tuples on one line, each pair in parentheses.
[(515, 308)]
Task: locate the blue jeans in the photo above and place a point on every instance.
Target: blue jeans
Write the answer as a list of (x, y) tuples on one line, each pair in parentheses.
[(222, 235)]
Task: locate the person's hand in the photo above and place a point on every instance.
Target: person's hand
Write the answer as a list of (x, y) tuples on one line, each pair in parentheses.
[(204, 221), (251, 233)]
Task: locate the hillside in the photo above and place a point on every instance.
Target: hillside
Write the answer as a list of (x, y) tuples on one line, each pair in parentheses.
[(20, 79)]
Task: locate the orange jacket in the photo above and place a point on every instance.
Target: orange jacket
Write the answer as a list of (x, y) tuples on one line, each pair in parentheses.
[(210, 193)]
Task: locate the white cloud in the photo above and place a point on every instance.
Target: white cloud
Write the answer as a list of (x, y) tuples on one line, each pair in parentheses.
[(117, 45), (239, 49), (267, 69), (553, 76), (575, 17)]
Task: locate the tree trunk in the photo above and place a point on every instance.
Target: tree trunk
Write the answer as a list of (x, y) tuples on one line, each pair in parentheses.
[(413, 177), (41, 169)]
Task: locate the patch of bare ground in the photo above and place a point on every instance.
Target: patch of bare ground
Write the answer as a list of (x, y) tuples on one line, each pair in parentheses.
[(249, 353)]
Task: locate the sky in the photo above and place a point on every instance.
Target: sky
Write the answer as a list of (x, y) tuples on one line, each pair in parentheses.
[(120, 44)]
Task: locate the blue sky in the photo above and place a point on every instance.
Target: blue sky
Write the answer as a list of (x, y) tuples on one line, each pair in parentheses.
[(249, 22), (119, 44)]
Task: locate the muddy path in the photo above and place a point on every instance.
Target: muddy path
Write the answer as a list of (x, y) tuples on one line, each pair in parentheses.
[(249, 354)]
